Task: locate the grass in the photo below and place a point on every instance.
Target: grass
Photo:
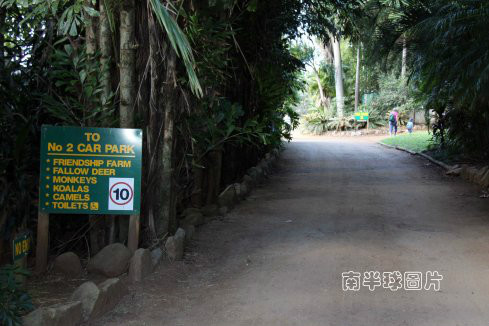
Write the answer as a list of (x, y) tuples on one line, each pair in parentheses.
[(417, 141)]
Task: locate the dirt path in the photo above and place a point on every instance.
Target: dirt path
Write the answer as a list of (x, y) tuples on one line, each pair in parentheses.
[(334, 205)]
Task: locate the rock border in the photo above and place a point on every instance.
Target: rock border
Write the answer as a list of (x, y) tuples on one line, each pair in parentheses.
[(91, 301), (431, 159), (479, 176), (193, 217)]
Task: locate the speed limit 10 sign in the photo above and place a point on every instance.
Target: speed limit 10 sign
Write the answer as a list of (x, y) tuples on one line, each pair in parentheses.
[(121, 194)]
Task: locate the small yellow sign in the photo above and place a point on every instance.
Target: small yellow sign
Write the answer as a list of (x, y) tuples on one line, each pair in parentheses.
[(21, 246), (361, 116)]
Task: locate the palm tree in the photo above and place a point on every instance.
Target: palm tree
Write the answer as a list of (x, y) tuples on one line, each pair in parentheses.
[(357, 80), (340, 94)]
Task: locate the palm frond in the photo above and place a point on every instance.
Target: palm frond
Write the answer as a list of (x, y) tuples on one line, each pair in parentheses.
[(179, 43)]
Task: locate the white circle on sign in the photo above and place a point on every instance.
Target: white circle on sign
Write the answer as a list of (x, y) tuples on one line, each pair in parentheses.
[(121, 193)]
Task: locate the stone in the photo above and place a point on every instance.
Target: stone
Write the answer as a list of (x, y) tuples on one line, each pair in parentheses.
[(454, 171), (468, 173), (471, 174), (210, 210), (112, 291), (249, 180), (463, 171), (244, 190), (484, 180), (478, 177), (256, 174), (223, 211), (259, 172), (111, 261), (193, 219), (156, 256), (174, 245), (141, 265), (228, 197), (68, 264), (189, 232), (89, 295), (191, 210), (237, 190), (263, 165), (35, 318), (65, 314)]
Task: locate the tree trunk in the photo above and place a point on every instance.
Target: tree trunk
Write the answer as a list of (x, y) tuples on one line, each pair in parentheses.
[(327, 52), (127, 81), (105, 44), (214, 167), (91, 48), (198, 173), (2, 41), (322, 97), (167, 162), (90, 33), (340, 97), (404, 58), (357, 80), (156, 120), (127, 64)]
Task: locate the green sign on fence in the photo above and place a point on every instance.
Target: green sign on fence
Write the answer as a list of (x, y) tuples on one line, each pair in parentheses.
[(361, 116), (21, 246), (90, 170)]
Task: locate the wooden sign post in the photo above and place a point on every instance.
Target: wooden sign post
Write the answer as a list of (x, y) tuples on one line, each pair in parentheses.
[(42, 244), (88, 171)]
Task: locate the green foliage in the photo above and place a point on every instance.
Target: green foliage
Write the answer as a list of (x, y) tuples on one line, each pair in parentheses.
[(14, 301), (75, 96), (394, 93), (17, 176), (220, 125), (212, 40), (179, 43), (320, 120), (71, 16), (341, 123), (20, 68), (448, 62), (278, 93), (316, 120)]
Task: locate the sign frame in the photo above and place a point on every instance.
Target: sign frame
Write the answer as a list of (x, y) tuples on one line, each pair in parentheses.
[(77, 164), (46, 179)]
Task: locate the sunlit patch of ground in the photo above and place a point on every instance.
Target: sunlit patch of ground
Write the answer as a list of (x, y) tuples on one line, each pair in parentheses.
[(417, 141)]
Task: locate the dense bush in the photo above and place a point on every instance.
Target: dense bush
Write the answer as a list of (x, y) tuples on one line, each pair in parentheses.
[(394, 93), (447, 56), (14, 301)]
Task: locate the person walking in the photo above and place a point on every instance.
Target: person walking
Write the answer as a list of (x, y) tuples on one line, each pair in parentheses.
[(393, 118), (410, 125)]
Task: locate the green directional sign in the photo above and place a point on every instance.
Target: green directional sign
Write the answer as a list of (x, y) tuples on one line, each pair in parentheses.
[(90, 170), (361, 116)]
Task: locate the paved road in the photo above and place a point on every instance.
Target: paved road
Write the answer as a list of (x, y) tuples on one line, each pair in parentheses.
[(334, 205)]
